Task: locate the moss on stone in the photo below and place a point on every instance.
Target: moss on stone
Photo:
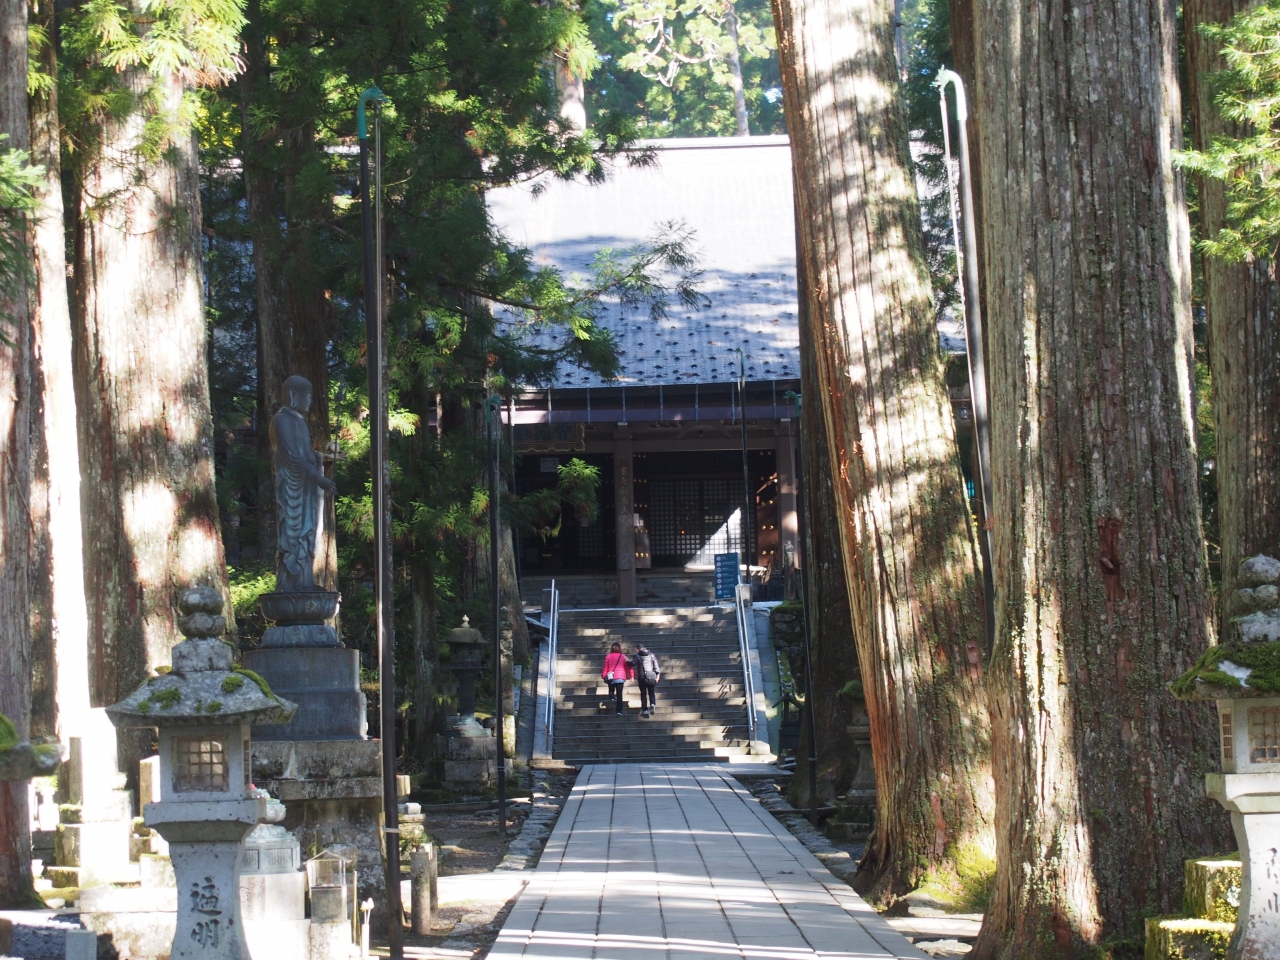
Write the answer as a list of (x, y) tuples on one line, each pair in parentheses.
[(164, 668), (1187, 938), (262, 684), (1262, 659), (167, 697), (213, 706), (144, 707), (232, 683), (8, 733)]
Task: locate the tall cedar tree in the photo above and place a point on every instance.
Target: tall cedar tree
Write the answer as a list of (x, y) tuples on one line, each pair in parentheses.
[(59, 620), (908, 539), (1100, 565), (141, 375), (16, 889), (1242, 306)]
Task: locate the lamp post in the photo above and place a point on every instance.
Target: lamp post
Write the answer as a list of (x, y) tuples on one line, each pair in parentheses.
[(492, 415), (376, 362)]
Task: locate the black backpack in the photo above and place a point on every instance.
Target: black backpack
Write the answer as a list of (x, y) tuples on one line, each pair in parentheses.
[(646, 666)]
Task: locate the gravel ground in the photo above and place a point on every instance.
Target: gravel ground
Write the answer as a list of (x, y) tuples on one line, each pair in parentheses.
[(40, 934)]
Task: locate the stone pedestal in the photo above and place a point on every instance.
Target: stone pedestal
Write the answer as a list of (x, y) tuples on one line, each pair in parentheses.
[(325, 684), (332, 792), (470, 763), (1253, 800), (273, 895)]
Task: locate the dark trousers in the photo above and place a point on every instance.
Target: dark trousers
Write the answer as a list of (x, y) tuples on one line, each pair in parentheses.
[(647, 701), (615, 691)]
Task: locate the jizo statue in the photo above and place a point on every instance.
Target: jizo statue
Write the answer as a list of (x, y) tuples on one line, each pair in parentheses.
[(300, 488)]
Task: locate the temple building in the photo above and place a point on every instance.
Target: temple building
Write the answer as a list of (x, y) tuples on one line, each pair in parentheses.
[(667, 434)]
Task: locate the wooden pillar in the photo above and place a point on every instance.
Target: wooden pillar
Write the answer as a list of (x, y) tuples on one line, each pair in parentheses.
[(624, 516), (788, 518)]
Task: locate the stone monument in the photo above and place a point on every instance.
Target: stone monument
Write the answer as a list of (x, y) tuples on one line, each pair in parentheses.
[(320, 764), (203, 708), (1242, 676), (300, 654)]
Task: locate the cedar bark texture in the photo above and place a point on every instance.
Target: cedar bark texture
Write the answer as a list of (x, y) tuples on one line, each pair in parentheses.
[(907, 538), (57, 572), (1242, 304), (16, 889), (835, 655), (1100, 565), (142, 390)]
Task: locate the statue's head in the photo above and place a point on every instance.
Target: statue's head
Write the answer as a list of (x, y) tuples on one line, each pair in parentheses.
[(296, 393)]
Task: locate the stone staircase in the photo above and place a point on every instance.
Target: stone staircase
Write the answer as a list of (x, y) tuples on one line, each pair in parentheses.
[(1209, 903), (654, 588), (701, 704)]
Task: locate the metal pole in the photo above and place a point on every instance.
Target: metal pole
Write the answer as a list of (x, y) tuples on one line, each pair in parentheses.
[(808, 642), (746, 471), (492, 409), (974, 348), (376, 360)]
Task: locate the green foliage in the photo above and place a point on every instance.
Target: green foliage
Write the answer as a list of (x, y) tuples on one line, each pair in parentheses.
[(248, 584), (18, 180), (663, 63), (1247, 164)]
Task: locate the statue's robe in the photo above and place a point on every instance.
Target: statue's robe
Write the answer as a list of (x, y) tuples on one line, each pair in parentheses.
[(298, 501)]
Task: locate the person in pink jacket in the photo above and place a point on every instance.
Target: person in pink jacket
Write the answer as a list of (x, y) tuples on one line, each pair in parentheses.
[(616, 672)]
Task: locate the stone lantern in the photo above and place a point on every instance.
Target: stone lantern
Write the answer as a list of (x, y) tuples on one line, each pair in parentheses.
[(1242, 675), (469, 751), (466, 659), (203, 708)]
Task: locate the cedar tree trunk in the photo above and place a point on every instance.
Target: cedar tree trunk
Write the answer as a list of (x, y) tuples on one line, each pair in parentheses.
[(1242, 303), (905, 530), (146, 433), (57, 582), (16, 889), (1101, 595), (835, 655)]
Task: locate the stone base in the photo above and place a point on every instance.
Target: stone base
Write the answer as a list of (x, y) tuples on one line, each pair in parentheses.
[(269, 897), (1186, 938), (470, 763), (134, 936), (323, 681), (279, 939), (332, 792)]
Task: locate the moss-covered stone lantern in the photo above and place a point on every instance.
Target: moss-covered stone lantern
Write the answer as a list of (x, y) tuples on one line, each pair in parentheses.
[(203, 707), (1242, 675)]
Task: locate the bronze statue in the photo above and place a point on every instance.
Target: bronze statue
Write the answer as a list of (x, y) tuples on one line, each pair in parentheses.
[(300, 488)]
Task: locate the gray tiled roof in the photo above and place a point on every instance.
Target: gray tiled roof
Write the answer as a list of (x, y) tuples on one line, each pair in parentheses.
[(736, 195)]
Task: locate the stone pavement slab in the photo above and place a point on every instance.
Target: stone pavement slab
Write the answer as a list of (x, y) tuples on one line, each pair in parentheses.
[(679, 862)]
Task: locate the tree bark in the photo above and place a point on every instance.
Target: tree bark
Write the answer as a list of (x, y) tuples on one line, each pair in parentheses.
[(906, 536), (1242, 304), (428, 715), (59, 576), (16, 888), (146, 434), (1100, 564), (734, 59), (835, 655)]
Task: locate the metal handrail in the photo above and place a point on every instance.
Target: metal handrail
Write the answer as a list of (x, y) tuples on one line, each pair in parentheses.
[(748, 684), (553, 635)]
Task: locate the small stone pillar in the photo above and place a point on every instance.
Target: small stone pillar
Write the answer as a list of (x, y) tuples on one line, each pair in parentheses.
[(203, 709), (1249, 743)]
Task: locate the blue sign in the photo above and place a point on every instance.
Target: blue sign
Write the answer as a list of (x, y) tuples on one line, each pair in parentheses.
[(727, 574)]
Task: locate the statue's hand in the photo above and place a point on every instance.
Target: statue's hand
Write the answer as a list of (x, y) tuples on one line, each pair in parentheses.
[(327, 485)]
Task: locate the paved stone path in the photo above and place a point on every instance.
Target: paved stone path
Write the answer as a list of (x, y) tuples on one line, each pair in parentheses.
[(652, 861)]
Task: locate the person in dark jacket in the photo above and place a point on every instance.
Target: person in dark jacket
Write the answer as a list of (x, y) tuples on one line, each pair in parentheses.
[(616, 672), (647, 672)]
